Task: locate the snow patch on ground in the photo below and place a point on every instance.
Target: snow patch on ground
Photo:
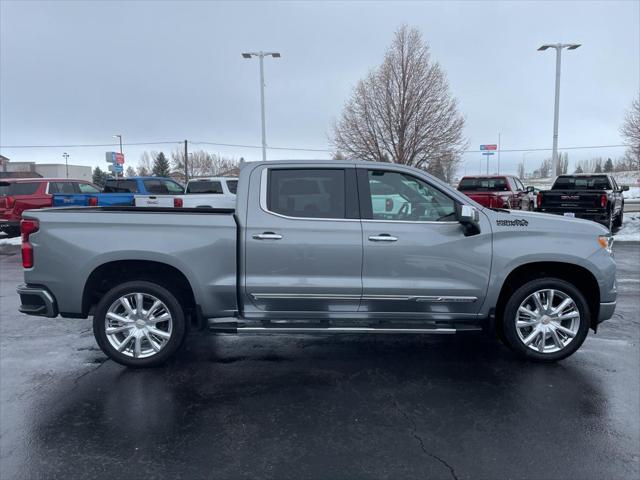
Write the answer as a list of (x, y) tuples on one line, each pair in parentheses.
[(630, 230)]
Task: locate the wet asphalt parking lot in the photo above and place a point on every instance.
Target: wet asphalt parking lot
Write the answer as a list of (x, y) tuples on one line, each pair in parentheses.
[(450, 407)]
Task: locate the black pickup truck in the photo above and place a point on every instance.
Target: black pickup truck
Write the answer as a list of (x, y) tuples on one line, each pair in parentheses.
[(594, 197)]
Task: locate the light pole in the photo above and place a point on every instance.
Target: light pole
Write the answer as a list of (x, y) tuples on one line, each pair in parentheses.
[(556, 110), (66, 163), (261, 56)]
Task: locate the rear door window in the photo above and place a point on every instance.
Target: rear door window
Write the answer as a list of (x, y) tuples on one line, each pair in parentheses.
[(310, 193), (22, 188)]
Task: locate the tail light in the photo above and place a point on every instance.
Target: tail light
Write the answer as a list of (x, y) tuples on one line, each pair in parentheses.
[(603, 201), (388, 205), (27, 227), (11, 201), (539, 199), (177, 202), (92, 201)]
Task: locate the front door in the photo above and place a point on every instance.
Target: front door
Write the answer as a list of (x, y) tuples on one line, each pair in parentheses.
[(303, 243), (417, 262)]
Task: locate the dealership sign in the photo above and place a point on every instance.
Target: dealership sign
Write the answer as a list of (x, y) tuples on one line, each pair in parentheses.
[(489, 147), (115, 158)]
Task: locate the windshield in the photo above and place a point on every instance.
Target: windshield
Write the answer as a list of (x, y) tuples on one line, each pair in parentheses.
[(484, 184), (599, 182)]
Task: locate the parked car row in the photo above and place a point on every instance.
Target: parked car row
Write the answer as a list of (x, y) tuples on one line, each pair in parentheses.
[(18, 195)]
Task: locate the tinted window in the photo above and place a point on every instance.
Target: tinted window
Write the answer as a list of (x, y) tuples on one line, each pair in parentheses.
[(232, 185), (305, 192), (121, 186), (62, 187), (22, 188), (162, 187), (87, 188), (204, 186), (484, 184), (598, 182), (395, 196)]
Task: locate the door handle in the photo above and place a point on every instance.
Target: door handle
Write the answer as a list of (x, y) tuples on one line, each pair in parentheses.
[(383, 237), (267, 236)]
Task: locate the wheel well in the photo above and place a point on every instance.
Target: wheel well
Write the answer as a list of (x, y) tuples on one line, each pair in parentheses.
[(578, 276), (108, 275)]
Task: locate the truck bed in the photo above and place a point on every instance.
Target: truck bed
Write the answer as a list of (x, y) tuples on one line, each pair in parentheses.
[(199, 243)]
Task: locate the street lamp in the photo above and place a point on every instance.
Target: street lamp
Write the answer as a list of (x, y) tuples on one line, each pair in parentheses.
[(261, 56), (66, 163), (558, 47)]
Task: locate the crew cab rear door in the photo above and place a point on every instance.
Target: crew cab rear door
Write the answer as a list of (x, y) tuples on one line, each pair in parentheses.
[(303, 242), (417, 262)]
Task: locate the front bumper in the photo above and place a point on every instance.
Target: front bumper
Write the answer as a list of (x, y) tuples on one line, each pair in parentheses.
[(36, 300), (606, 311), (6, 224)]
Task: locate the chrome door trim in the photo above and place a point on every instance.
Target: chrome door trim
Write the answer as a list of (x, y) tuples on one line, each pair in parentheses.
[(263, 198), (416, 298)]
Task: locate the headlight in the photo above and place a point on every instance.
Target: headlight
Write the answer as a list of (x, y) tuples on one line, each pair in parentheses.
[(606, 242)]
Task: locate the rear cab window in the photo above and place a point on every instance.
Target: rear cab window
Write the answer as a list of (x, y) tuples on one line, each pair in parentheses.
[(232, 185), (87, 188), (497, 184)]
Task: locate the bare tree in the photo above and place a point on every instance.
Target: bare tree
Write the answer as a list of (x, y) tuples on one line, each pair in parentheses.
[(202, 164), (630, 131), (403, 112), (144, 165)]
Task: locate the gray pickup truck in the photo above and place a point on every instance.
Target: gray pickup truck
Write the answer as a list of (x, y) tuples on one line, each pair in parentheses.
[(313, 248)]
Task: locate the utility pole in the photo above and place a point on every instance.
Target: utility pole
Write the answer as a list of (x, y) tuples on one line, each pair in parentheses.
[(66, 162), (186, 159), (498, 153), (261, 56), (556, 108), (119, 137)]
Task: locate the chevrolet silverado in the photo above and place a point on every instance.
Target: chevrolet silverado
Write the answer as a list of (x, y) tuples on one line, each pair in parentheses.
[(307, 250)]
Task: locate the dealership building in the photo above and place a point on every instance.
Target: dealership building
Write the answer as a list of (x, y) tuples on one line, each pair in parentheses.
[(9, 169)]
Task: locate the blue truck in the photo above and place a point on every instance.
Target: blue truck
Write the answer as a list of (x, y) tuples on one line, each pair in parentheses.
[(120, 192)]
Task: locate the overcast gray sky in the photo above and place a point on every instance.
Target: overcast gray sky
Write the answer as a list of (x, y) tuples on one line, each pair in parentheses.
[(79, 72)]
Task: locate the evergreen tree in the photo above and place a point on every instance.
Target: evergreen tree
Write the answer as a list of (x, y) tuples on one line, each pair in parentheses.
[(579, 169), (130, 171), (608, 165), (598, 168), (99, 177), (161, 167)]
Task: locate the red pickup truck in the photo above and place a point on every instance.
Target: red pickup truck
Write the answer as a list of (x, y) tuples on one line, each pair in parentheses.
[(19, 194), (498, 191)]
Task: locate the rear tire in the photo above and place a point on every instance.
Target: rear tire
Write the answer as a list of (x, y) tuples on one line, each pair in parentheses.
[(139, 324), (543, 334)]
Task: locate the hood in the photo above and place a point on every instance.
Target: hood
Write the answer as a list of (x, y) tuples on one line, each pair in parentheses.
[(542, 223)]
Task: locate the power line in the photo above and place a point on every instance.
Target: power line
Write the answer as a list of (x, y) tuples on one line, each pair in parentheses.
[(297, 149)]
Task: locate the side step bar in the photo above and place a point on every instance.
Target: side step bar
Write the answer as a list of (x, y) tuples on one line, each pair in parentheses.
[(240, 327)]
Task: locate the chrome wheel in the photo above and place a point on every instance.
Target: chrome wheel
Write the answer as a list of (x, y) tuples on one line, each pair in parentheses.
[(547, 321), (138, 325)]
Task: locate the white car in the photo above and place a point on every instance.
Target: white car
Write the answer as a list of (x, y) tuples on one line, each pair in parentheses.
[(210, 192)]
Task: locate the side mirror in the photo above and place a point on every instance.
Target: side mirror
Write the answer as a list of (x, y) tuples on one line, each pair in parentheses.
[(530, 189), (469, 218), (625, 188)]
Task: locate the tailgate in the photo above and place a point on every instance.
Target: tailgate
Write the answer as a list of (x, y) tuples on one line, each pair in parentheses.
[(573, 200), (154, 200)]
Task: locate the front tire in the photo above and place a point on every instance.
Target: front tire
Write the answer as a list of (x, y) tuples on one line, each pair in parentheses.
[(546, 320), (139, 324)]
